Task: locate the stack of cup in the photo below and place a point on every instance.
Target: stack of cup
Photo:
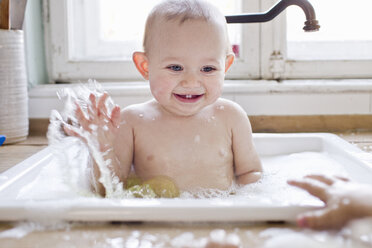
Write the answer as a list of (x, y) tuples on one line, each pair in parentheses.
[(13, 86)]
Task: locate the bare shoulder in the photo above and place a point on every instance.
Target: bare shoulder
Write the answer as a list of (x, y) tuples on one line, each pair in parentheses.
[(230, 109), (142, 111)]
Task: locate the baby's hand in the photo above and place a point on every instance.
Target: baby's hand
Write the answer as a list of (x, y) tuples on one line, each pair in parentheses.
[(344, 201), (99, 123)]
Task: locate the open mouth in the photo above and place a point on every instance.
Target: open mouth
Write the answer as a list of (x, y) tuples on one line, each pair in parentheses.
[(188, 97)]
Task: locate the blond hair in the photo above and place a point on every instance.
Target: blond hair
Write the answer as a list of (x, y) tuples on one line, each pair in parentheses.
[(182, 11)]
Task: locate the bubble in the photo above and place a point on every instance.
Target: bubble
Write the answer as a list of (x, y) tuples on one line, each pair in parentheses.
[(140, 115), (221, 107), (115, 242), (233, 239), (366, 238), (93, 127), (182, 240), (218, 235), (132, 242)]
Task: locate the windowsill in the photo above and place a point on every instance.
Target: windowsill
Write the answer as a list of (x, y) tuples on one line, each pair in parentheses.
[(257, 97)]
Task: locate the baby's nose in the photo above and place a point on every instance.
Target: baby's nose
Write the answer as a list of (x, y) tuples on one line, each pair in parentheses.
[(191, 80)]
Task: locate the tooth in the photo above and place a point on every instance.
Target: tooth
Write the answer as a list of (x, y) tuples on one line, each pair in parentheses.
[(188, 96)]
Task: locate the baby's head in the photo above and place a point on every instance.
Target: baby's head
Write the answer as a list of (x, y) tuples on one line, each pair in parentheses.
[(179, 12), (186, 55)]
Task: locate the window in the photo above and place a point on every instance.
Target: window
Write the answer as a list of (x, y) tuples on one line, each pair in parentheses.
[(341, 49), (343, 36), (95, 39)]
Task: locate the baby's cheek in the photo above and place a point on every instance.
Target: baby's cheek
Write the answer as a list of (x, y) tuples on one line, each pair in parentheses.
[(159, 92), (215, 89), (159, 87)]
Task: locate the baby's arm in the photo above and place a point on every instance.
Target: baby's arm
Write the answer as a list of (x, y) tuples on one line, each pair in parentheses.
[(344, 201), (120, 153), (104, 133), (247, 164)]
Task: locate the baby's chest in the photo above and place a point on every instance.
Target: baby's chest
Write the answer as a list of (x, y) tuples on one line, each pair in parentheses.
[(177, 150)]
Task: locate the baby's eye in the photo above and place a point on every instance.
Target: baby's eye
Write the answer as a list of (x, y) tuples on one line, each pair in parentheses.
[(208, 69), (175, 67)]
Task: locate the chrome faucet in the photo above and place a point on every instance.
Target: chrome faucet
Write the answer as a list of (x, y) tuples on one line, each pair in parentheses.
[(311, 24)]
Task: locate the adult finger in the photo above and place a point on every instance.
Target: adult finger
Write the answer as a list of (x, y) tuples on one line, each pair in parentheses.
[(326, 218), (315, 188), (341, 178), (322, 178)]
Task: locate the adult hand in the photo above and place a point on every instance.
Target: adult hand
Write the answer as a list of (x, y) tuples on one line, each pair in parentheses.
[(344, 201)]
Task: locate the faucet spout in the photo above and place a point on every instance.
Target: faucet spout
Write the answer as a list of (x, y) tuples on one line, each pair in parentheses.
[(311, 24)]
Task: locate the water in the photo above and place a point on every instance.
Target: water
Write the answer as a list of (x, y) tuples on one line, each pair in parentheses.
[(55, 181), (81, 95)]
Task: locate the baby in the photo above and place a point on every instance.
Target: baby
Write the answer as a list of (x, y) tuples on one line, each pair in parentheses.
[(187, 132)]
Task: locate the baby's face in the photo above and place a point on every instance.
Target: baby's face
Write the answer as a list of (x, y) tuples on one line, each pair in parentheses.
[(186, 65)]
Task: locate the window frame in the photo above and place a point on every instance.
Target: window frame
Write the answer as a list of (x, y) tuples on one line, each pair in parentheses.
[(64, 68), (263, 56), (274, 39)]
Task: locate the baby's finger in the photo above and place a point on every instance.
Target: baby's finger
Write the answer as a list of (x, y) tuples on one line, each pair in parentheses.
[(115, 116), (69, 130), (315, 188), (322, 178), (80, 116), (92, 99), (102, 106)]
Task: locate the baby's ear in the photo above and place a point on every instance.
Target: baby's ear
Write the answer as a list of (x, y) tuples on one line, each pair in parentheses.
[(229, 61), (141, 62)]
